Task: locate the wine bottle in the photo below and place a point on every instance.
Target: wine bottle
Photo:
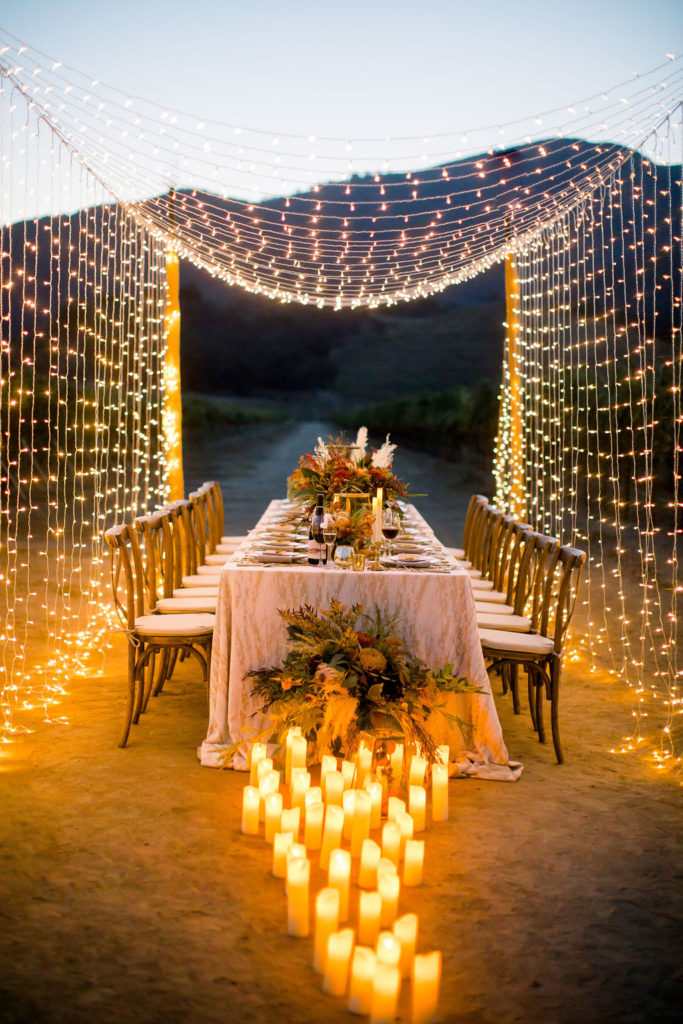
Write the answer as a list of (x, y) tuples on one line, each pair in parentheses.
[(317, 551)]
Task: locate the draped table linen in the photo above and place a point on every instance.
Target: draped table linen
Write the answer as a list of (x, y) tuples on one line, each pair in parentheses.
[(436, 618)]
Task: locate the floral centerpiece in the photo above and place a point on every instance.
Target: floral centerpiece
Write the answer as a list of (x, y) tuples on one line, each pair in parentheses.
[(339, 467), (338, 681)]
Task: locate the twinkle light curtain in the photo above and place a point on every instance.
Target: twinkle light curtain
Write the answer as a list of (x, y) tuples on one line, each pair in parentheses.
[(585, 199), (81, 313)]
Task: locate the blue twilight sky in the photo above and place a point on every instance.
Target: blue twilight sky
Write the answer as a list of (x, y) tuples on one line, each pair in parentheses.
[(354, 68)]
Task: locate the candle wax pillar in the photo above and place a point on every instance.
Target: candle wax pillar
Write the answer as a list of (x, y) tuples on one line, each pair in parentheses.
[(334, 788), (388, 949), (388, 887), (386, 984), (348, 770), (338, 962), (375, 791), (289, 743), (301, 782), (273, 815), (290, 820), (360, 828), (369, 859), (332, 833), (360, 986), (313, 832), (250, 810), (339, 877), (440, 792), (281, 843), (298, 880), (417, 804), (327, 764), (413, 862), (258, 752), (391, 841), (326, 922), (405, 930), (426, 978), (369, 915), (416, 774), (349, 807), (395, 806), (407, 826)]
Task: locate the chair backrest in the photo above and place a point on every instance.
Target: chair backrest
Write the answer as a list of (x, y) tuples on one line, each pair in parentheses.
[(215, 496), (183, 540), (476, 501), (561, 586), (126, 568), (483, 537), (202, 518), (158, 551)]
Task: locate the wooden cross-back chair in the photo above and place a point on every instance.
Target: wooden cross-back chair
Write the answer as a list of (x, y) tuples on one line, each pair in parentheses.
[(149, 634), (556, 576)]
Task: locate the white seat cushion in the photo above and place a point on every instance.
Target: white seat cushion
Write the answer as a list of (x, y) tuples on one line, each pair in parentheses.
[(518, 623), (201, 581), (518, 643), (474, 574), (209, 570), (481, 584), (233, 540), (484, 594), (174, 625), (227, 549), (196, 591), (182, 605), (491, 607), (458, 553), (216, 559)]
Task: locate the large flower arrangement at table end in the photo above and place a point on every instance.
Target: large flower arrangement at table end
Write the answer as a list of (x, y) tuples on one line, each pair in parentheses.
[(339, 467), (338, 681)]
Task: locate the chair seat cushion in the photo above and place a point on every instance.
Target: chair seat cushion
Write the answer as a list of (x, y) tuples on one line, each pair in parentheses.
[(480, 584), (233, 540), (498, 641), (202, 581), (458, 553), (491, 607), (517, 623), (175, 625), (484, 594), (474, 574), (227, 549), (181, 605), (216, 559), (196, 591), (210, 570)]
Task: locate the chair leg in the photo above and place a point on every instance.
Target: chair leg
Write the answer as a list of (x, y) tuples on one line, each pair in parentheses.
[(540, 726), (532, 696), (555, 673), (130, 703), (163, 673), (139, 683), (504, 678), (513, 683), (148, 679)]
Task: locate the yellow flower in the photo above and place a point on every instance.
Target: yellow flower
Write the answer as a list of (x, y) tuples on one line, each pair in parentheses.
[(372, 660)]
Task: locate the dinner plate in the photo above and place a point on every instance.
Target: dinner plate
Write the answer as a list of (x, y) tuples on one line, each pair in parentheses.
[(275, 557), (411, 561)]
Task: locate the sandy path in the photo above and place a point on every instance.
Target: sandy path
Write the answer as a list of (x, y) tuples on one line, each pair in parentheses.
[(129, 894)]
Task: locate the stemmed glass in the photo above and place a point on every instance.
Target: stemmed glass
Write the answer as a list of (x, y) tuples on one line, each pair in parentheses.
[(329, 533), (391, 523)]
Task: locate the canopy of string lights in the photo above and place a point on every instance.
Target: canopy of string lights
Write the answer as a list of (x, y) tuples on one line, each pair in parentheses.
[(584, 204)]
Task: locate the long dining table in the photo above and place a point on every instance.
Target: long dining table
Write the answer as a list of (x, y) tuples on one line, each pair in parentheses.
[(435, 615)]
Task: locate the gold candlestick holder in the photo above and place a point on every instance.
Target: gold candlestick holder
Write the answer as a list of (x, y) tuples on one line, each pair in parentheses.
[(374, 562)]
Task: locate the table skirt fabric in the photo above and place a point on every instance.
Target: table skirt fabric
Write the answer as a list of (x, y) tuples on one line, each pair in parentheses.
[(436, 617)]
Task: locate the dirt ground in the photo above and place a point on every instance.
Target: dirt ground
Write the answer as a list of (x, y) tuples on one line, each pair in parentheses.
[(130, 895)]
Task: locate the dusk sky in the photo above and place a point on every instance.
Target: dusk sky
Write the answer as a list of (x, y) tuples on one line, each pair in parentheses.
[(355, 68)]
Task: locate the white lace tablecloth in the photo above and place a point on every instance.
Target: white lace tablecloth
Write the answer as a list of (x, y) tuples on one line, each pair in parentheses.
[(436, 617)]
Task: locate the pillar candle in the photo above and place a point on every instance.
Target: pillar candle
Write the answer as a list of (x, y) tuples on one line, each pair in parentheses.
[(281, 843), (334, 788), (375, 791), (360, 985), (407, 827), (301, 781), (314, 795), (327, 764), (291, 734), (386, 984), (297, 754), (263, 765), (339, 877), (417, 806), (326, 922), (405, 930), (293, 851), (388, 887), (338, 961), (258, 752), (273, 805), (369, 914), (416, 775), (313, 833), (290, 821), (360, 829), (369, 859), (250, 810), (349, 806), (440, 792), (386, 867), (443, 754), (298, 879), (270, 783), (332, 833), (391, 841), (363, 765), (395, 806), (413, 862), (426, 978), (388, 949), (348, 770)]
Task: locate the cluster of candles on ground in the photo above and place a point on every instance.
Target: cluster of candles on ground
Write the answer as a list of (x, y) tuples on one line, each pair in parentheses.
[(366, 965)]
